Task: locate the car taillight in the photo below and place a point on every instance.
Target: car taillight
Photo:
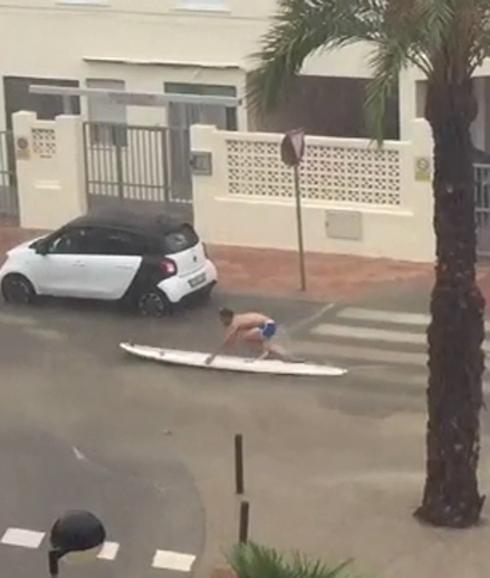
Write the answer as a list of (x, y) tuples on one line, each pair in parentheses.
[(168, 267)]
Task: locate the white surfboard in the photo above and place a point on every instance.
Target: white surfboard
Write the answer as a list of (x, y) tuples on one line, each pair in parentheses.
[(229, 363)]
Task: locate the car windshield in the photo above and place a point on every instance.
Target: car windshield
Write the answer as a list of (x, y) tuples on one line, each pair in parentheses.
[(36, 242), (179, 240)]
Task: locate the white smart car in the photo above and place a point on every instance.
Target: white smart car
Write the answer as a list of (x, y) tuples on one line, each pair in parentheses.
[(148, 260)]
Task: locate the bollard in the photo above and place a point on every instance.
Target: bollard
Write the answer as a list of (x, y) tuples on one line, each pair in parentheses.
[(239, 478), (244, 522), (53, 557)]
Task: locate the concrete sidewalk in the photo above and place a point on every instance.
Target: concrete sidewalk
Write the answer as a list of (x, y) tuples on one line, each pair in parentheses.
[(338, 278), (330, 278)]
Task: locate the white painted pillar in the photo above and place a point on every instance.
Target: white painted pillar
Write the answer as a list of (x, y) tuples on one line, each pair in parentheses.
[(50, 170), (207, 187), (422, 197), (22, 127), (478, 128), (407, 103), (71, 166)]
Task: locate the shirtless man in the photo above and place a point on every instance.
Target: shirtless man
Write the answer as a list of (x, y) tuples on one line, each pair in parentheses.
[(253, 328)]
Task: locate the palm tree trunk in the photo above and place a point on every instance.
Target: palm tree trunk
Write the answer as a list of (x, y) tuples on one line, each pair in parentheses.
[(456, 362)]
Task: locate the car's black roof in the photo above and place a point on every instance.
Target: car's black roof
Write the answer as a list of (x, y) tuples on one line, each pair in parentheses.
[(144, 223)]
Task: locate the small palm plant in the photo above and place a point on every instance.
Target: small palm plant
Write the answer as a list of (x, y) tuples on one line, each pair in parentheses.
[(254, 561)]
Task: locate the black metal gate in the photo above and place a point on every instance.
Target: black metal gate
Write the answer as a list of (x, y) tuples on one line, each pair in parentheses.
[(131, 165), (9, 206), (482, 208)]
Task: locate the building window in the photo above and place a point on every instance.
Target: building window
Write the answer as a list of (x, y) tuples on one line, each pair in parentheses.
[(107, 118), (344, 117), (46, 106), (200, 89), (204, 5), (420, 98), (223, 117)]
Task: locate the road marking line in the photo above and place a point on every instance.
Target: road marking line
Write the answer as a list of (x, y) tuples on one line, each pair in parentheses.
[(395, 378), (79, 455), (16, 320), (331, 351), (373, 334), (46, 334), (173, 561), (302, 323), (109, 551), (399, 317), (358, 314), (23, 538), (368, 333)]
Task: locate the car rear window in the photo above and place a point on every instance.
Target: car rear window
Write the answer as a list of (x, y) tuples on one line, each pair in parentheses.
[(179, 240)]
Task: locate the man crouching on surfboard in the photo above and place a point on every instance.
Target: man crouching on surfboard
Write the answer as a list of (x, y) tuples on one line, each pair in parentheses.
[(252, 328)]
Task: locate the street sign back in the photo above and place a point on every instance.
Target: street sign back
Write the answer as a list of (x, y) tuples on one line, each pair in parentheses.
[(293, 147)]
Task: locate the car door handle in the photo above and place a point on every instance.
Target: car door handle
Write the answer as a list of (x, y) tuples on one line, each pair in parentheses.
[(124, 267), (79, 264)]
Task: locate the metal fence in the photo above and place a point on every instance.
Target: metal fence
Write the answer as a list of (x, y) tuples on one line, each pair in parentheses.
[(130, 164), (9, 206), (482, 208)]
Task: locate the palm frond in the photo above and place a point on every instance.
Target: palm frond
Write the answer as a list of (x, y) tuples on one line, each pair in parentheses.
[(254, 561), (402, 31), (419, 28), (433, 23), (445, 39), (386, 62), (300, 28), (412, 32), (479, 32), (303, 567)]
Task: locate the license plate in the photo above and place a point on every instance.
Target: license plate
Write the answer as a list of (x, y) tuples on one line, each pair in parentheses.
[(199, 280)]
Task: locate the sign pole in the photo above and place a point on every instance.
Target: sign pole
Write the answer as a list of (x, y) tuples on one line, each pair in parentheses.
[(292, 153), (299, 218)]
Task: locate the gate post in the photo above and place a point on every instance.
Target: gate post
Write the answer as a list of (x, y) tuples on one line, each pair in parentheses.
[(117, 138), (50, 177)]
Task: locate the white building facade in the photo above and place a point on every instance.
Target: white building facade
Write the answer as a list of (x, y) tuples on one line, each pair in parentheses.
[(203, 48), (149, 45)]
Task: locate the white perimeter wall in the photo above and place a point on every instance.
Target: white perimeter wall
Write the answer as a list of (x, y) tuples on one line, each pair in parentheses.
[(357, 199)]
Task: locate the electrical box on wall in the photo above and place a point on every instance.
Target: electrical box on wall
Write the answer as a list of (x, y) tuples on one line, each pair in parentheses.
[(202, 163), (346, 225)]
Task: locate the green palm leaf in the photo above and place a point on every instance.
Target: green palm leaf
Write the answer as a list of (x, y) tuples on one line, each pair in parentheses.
[(401, 32), (300, 28), (254, 561)]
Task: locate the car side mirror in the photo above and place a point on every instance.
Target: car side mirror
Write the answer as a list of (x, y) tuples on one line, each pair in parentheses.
[(42, 247)]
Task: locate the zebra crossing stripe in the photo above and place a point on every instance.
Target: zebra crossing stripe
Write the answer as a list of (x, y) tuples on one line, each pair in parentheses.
[(23, 538), (369, 334), (167, 560), (163, 559), (109, 551), (401, 318), (397, 317), (328, 352), (374, 334), (419, 380)]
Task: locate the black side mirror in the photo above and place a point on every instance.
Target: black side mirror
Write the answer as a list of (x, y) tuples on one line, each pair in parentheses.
[(42, 247)]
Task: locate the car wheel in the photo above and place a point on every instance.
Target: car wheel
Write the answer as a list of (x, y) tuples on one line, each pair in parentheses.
[(152, 303), (18, 290)]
